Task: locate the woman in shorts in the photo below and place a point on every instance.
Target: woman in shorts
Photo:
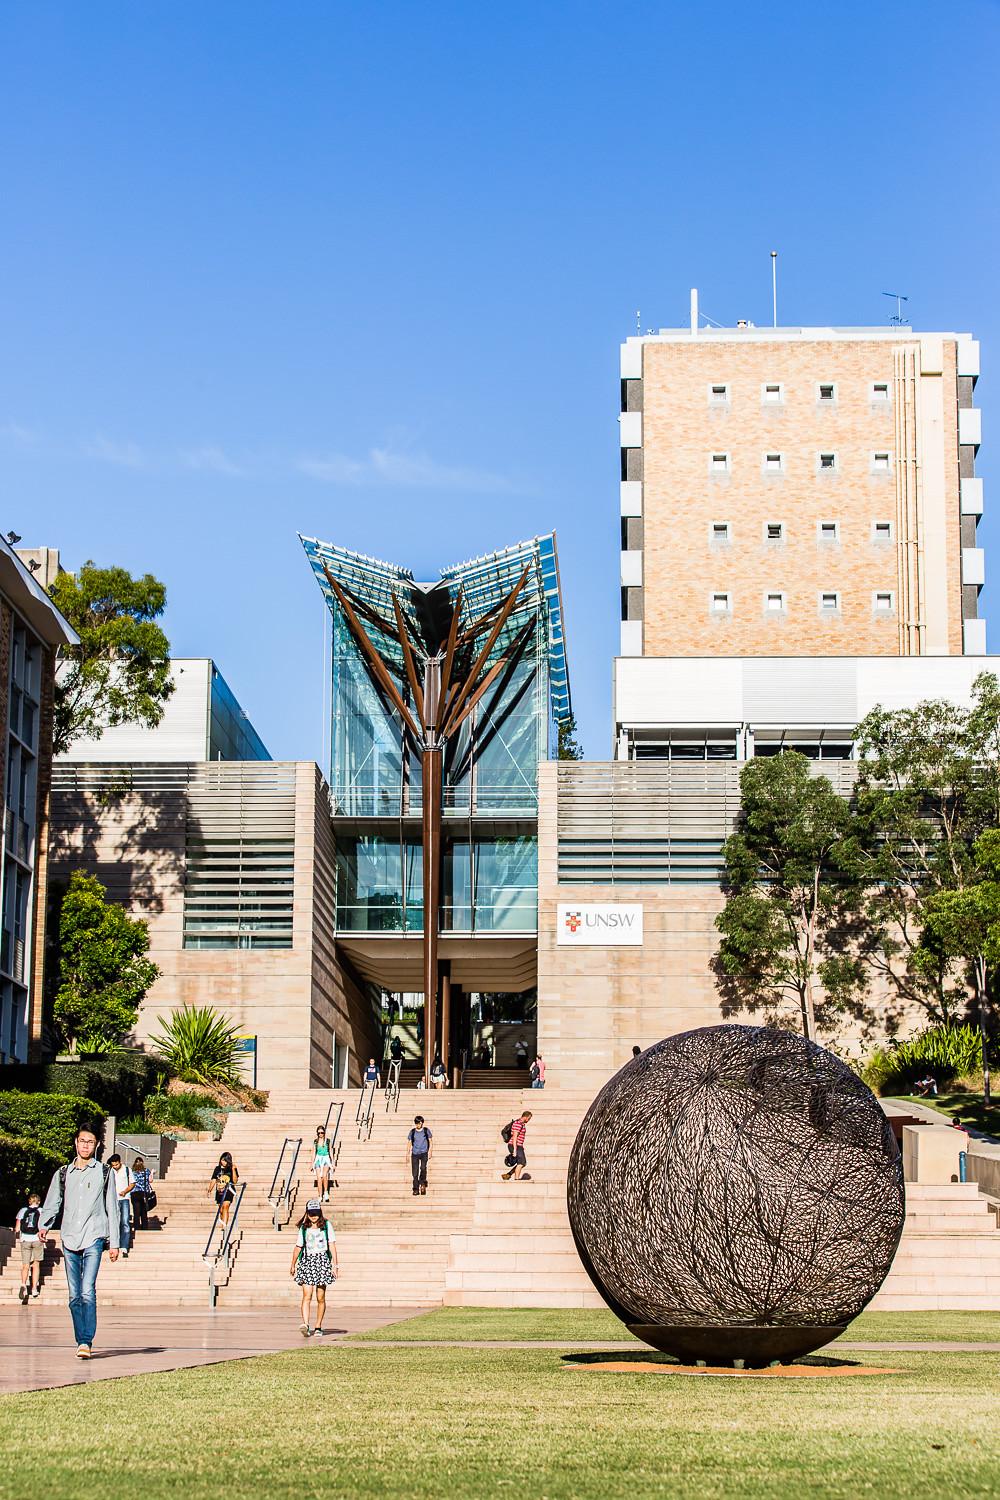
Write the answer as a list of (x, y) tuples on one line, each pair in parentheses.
[(223, 1184)]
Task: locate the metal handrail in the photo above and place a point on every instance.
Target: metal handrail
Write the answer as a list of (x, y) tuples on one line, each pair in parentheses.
[(335, 1141), (284, 1193), (392, 1084), (225, 1249), (366, 1109)]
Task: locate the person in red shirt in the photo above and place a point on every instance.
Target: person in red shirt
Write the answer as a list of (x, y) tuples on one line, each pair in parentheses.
[(518, 1131)]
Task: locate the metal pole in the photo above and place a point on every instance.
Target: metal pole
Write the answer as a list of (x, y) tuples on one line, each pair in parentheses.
[(445, 1018), (431, 819), (774, 284)]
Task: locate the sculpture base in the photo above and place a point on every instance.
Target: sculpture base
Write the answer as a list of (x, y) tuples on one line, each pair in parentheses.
[(755, 1346)]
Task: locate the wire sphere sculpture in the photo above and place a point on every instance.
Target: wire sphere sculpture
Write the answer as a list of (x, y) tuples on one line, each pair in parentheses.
[(736, 1195)]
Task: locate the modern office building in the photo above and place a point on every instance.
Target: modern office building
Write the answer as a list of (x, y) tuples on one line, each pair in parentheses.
[(202, 720), (798, 544), (446, 696), (31, 632)]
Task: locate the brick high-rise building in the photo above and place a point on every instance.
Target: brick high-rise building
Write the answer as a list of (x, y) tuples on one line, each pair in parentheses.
[(798, 508), (800, 492)]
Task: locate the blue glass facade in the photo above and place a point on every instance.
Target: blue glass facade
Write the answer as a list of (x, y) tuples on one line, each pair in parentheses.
[(490, 770)]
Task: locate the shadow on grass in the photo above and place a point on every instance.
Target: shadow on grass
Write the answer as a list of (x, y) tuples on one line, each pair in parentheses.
[(643, 1358)]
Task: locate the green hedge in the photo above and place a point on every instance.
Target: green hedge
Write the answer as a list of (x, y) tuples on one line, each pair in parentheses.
[(25, 1167), (51, 1120), (941, 1052), (118, 1082)]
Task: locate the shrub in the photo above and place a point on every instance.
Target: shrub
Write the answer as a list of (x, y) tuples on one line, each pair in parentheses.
[(198, 1045), (132, 1125), (943, 1052), (189, 1111), (25, 1167), (50, 1120), (119, 1082)]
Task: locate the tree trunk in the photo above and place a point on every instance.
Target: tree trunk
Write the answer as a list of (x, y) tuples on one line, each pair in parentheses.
[(982, 998)]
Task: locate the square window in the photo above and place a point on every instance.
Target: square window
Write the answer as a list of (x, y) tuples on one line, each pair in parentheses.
[(720, 532), (828, 531), (772, 395), (880, 390), (772, 463), (826, 391), (829, 603), (880, 463), (881, 531), (774, 603), (883, 601), (718, 395), (719, 463), (719, 604), (828, 460), (774, 531)]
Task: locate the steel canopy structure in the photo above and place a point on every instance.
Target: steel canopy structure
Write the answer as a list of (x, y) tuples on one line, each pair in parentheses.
[(446, 694)]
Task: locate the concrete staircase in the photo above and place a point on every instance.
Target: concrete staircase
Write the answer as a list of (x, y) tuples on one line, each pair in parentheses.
[(474, 1240), (949, 1256)]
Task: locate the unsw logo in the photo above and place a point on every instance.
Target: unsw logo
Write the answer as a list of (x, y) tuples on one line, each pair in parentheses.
[(574, 921)]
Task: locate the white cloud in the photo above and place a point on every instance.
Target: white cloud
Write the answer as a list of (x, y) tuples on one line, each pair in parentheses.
[(212, 460), (125, 455), (384, 466), (19, 434)]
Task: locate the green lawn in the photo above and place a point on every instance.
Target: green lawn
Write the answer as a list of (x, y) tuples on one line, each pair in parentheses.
[(410, 1424), (969, 1107), (600, 1325)]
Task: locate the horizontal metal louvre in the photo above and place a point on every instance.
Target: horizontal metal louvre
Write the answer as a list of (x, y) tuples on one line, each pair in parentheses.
[(645, 823), (654, 822), (239, 841)]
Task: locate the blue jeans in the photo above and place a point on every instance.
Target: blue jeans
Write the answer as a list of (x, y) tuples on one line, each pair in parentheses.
[(124, 1205), (82, 1267), (539, 1083)]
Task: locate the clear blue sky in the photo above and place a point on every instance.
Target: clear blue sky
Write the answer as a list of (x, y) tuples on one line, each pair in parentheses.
[(361, 271)]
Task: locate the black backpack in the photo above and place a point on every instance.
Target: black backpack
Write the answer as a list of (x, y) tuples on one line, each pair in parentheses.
[(29, 1220), (506, 1133), (61, 1174)]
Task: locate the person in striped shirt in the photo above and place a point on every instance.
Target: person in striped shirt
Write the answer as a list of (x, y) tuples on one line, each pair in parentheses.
[(518, 1130)]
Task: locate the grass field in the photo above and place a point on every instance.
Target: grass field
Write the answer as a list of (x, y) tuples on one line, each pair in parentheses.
[(602, 1326), (412, 1423)]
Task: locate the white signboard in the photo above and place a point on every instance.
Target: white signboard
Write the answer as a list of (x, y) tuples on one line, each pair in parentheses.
[(592, 924)]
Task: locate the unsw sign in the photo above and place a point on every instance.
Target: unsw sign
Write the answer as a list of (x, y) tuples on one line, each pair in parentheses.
[(599, 925)]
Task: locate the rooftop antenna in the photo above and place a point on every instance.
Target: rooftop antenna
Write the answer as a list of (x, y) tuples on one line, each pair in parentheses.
[(774, 284), (897, 317)]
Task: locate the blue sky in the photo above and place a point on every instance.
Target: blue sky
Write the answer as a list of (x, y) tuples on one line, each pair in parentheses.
[(362, 272)]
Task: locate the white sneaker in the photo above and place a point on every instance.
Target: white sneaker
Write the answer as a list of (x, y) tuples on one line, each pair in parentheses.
[(37, 1291), (317, 1333), (305, 1330), (83, 1351)]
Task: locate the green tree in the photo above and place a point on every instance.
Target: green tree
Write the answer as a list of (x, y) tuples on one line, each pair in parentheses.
[(964, 925), (120, 671), (928, 786), (793, 896), (103, 973), (568, 746)]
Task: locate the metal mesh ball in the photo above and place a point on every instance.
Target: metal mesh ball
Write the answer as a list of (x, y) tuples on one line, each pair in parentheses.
[(736, 1193)]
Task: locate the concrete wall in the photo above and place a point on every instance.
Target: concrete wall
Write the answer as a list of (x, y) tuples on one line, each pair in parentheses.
[(296, 1000)]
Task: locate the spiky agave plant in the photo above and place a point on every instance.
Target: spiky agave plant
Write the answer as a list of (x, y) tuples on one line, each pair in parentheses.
[(198, 1045)]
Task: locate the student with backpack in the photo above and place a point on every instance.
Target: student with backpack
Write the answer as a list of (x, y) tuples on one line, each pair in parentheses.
[(516, 1161), (419, 1140), (82, 1202), (314, 1264), (322, 1163), (27, 1225)]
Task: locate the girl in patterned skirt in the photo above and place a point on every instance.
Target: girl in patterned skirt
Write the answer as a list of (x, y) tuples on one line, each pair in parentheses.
[(314, 1263)]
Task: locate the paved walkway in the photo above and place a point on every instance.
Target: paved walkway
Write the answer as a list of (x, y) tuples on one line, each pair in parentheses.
[(37, 1350)]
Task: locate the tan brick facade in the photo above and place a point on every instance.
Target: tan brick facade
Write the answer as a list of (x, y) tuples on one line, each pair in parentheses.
[(684, 564)]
